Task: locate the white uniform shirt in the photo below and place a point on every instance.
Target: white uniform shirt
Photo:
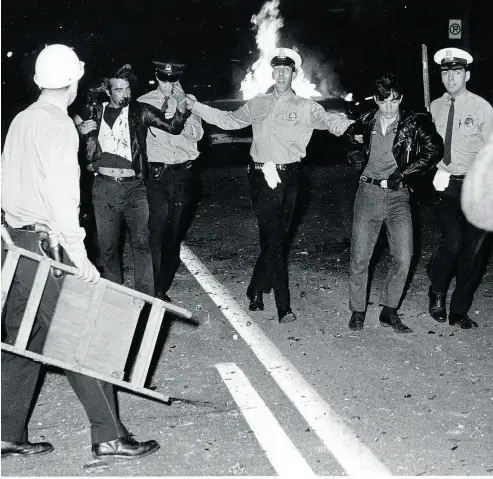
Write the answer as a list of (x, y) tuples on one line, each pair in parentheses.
[(282, 126), (40, 173), (162, 147), (473, 125)]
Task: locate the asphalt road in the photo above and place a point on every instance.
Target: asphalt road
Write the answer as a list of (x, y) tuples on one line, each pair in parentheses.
[(256, 398)]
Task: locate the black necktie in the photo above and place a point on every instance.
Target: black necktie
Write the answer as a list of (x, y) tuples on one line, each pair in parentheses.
[(448, 134), (165, 104)]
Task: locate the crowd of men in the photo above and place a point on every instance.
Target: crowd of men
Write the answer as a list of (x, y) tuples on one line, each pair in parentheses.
[(141, 155)]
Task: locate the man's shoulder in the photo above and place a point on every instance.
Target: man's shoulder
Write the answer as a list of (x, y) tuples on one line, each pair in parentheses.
[(149, 97), (440, 100), (477, 101)]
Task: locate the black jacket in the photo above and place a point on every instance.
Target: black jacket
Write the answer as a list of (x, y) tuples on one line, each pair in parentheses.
[(140, 117), (417, 145)]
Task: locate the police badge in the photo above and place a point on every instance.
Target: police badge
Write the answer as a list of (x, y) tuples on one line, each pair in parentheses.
[(469, 121), (292, 116)]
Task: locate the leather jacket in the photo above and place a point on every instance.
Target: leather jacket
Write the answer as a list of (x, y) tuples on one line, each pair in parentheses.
[(417, 145), (140, 117)]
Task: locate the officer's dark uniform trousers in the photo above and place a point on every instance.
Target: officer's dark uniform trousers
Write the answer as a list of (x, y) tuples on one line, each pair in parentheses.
[(172, 191), (274, 210), (461, 252), (20, 375)]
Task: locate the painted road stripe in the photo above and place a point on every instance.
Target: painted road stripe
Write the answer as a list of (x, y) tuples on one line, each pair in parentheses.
[(281, 452), (348, 450)]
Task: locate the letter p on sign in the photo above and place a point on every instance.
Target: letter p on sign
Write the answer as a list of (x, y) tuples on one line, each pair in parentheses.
[(455, 29)]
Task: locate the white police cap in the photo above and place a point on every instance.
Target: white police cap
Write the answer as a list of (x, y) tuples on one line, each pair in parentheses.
[(285, 56), (452, 58)]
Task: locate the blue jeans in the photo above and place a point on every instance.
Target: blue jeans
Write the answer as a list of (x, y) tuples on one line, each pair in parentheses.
[(115, 204), (373, 207)]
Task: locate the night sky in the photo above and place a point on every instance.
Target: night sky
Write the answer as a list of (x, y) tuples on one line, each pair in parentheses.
[(344, 42)]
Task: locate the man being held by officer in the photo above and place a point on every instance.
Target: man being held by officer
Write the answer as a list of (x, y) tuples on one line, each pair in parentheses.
[(114, 147), (398, 146), (40, 192), (282, 124), (173, 180), (465, 122)]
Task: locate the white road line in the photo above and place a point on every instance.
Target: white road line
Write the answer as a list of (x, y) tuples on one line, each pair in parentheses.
[(348, 450), (281, 452)]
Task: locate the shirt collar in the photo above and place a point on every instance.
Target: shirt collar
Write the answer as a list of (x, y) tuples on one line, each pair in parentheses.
[(290, 94), (52, 100), (459, 98)]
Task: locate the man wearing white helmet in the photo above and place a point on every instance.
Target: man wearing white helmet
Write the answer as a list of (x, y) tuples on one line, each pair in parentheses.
[(282, 124), (40, 194), (465, 121)]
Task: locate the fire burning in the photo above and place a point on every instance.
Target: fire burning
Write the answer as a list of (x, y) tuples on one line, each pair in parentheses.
[(267, 23)]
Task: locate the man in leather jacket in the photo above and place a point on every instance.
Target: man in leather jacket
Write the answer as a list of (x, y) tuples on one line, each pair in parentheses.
[(389, 147), (114, 147)]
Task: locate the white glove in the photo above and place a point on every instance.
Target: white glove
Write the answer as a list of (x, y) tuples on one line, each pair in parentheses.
[(441, 180), (271, 174)]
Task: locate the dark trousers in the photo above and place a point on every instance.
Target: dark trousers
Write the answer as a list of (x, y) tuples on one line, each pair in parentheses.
[(116, 204), (274, 210), (374, 207), (172, 200), (461, 253), (20, 375)]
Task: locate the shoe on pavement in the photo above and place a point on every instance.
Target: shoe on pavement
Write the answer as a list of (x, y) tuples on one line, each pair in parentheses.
[(124, 448), (287, 317), (25, 448), (256, 301), (436, 306), (357, 320), (395, 322), (462, 320)]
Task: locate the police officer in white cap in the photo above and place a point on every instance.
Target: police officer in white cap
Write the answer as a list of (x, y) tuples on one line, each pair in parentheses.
[(40, 193), (282, 124), (465, 122)]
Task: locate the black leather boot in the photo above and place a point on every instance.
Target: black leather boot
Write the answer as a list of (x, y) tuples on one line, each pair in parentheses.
[(256, 301), (357, 320), (462, 320), (395, 322), (437, 306)]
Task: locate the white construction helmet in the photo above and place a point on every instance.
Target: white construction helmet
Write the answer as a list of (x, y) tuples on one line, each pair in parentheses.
[(57, 66)]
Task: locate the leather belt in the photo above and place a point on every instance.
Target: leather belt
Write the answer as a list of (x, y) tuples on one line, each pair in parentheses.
[(118, 179), (374, 181), (170, 166), (116, 172), (279, 166)]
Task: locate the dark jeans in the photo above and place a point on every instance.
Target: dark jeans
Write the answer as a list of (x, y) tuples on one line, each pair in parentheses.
[(274, 210), (373, 207), (20, 375), (115, 204), (172, 201), (461, 253)]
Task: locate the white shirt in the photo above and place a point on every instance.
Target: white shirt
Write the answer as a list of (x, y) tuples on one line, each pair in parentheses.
[(473, 125), (40, 173), (162, 147), (282, 126)]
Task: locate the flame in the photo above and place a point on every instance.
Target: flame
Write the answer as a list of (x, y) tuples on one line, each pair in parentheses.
[(258, 80)]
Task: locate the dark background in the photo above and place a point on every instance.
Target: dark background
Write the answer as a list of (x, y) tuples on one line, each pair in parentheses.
[(343, 42)]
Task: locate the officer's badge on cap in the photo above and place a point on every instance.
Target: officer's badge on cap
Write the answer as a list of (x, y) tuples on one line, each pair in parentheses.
[(285, 56), (452, 58), (168, 71)]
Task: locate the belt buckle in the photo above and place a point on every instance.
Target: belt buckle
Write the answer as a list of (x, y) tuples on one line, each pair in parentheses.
[(383, 185)]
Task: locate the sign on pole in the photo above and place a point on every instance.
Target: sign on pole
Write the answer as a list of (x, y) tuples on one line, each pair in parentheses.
[(455, 29)]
